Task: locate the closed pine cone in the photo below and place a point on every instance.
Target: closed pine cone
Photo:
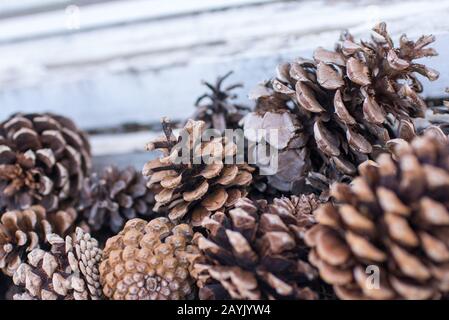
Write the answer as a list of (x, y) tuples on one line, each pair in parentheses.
[(68, 271), (192, 189), (149, 261), (217, 109), (114, 196), (340, 109), (256, 252), (23, 231), (393, 218), (43, 160)]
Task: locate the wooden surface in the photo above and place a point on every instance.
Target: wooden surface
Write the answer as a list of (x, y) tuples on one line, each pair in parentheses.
[(134, 61)]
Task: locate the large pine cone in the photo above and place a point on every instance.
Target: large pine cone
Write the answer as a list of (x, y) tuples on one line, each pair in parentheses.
[(43, 160), (69, 271), (149, 261), (186, 183), (23, 231), (339, 109), (256, 252), (217, 109), (114, 196), (394, 218)]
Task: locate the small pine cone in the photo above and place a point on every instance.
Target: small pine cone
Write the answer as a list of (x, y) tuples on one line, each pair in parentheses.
[(113, 197), (149, 261), (23, 231), (256, 251), (340, 109), (44, 159), (217, 109), (387, 236), (68, 271), (190, 189)]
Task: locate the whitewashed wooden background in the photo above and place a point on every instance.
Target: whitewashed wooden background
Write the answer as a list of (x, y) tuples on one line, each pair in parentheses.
[(134, 61)]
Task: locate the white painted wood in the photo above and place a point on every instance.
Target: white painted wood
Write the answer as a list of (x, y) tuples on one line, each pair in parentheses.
[(106, 14), (124, 143), (139, 72), (11, 6)]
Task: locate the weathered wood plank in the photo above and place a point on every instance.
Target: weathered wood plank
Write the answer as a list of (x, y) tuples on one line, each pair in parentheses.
[(107, 14), (141, 72), (13, 9), (106, 144), (137, 160)]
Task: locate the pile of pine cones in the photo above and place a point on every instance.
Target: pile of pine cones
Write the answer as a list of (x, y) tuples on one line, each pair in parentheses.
[(358, 208)]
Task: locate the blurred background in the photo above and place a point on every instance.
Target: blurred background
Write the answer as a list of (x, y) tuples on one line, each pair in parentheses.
[(117, 66)]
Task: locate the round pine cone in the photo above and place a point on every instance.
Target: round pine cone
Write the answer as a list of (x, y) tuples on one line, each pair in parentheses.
[(43, 160), (340, 109), (23, 231), (186, 183), (256, 252), (394, 218), (113, 197), (149, 261), (217, 109), (68, 271)]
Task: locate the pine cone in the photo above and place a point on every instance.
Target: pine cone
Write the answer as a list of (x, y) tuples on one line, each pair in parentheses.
[(340, 109), (257, 252), (23, 231), (186, 183), (69, 271), (114, 196), (148, 261), (44, 158), (219, 112), (394, 218)]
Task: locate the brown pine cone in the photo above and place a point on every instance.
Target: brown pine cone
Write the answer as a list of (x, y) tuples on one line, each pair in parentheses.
[(394, 218), (23, 231), (114, 196), (149, 261), (43, 160), (256, 252), (340, 109), (68, 271), (190, 189), (217, 109)]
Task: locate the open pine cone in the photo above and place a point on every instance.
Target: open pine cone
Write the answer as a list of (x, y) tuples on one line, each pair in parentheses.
[(23, 231), (68, 271), (149, 261), (190, 189), (43, 160), (339, 109), (256, 252), (217, 109), (394, 218), (114, 196)]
